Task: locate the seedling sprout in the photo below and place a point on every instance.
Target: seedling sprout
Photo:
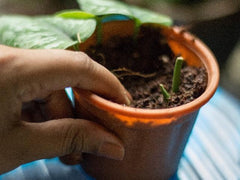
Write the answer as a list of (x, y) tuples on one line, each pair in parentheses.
[(176, 74), (165, 93), (176, 79)]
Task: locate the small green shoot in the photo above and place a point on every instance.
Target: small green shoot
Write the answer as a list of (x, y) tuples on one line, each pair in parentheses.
[(76, 47), (176, 74), (166, 95)]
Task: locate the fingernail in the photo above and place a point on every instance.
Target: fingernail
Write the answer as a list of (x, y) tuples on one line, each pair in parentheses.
[(128, 98), (111, 150), (128, 102)]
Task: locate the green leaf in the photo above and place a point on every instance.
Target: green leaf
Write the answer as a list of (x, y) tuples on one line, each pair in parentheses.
[(146, 16), (25, 32), (43, 32), (111, 7), (104, 7), (74, 28), (75, 14)]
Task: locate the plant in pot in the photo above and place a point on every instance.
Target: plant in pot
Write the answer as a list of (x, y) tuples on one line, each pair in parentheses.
[(140, 48)]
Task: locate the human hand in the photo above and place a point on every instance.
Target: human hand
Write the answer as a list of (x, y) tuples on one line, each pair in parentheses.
[(27, 75)]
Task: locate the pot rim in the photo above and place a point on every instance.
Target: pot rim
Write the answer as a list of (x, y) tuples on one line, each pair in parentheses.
[(211, 65)]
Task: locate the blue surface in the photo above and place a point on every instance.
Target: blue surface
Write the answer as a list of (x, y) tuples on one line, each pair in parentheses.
[(213, 150)]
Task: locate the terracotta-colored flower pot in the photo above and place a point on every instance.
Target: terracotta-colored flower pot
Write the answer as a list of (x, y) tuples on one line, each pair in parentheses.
[(154, 140)]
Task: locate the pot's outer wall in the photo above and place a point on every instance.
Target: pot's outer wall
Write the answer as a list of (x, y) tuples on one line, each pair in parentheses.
[(150, 153), (154, 140)]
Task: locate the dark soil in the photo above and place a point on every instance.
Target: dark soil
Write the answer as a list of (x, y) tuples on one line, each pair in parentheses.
[(143, 63)]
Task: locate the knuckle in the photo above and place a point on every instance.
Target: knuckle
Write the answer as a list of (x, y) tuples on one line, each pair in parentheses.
[(86, 62), (73, 140)]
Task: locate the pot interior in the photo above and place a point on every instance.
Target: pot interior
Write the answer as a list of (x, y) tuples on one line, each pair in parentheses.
[(194, 52)]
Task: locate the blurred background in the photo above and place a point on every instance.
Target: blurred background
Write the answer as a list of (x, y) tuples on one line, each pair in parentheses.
[(216, 22), (213, 149)]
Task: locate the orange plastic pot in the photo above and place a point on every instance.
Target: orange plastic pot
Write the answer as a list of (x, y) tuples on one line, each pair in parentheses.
[(154, 140)]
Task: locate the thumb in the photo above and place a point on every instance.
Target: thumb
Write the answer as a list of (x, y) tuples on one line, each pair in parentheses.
[(60, 137)]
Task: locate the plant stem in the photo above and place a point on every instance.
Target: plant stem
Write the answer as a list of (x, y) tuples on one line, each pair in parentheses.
[(79, 38), (76, 47), (166, 95), (136, 28), (176, 74), (99, 29)]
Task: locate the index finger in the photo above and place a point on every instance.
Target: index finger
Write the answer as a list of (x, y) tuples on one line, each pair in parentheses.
[(38, 72)]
